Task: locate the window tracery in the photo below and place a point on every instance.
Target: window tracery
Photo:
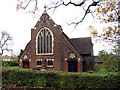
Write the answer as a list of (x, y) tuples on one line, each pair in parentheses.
[(44, 43)]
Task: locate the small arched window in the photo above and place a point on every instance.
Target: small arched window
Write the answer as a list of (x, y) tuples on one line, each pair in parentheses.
[(44, 41)]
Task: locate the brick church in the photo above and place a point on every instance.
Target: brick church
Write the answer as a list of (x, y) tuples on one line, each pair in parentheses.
[(50, 49)]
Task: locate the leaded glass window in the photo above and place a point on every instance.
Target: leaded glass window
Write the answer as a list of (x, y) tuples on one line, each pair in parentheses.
[(39, 62), (44, 41), (50, 62)]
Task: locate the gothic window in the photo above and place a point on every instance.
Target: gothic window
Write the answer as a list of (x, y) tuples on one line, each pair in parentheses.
[(39, 62), (50, 62), (44, 41)]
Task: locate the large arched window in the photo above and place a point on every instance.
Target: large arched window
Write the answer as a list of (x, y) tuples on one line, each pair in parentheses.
[(44, 41)]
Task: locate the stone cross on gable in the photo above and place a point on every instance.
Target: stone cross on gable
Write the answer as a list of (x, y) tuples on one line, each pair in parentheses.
[(45, 7)]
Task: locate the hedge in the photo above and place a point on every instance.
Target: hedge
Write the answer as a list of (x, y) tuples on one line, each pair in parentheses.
[(35, 78), (10, 63)]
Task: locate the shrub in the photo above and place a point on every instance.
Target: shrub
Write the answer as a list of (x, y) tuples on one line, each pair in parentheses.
[(110, 61), (97, 67), (34, 78), (10, 63)]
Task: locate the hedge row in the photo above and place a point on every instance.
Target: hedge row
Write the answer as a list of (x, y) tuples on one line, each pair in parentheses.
[(10, 63), (34, 78)]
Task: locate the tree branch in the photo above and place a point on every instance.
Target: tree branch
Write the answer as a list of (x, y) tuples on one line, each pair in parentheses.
[(86, 12), (61, 2), (80, 4), (35, 6), (20, 6), (26, 5)]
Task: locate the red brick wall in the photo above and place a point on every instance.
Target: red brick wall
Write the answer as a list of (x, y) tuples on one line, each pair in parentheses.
[(61, 50)]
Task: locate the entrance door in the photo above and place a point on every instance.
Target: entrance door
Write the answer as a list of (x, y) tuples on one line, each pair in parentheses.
[(72, 66), (84, 66), (25, 64)]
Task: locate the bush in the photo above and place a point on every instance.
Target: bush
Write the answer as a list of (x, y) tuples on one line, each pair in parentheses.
[(10, 63), (34, 78), (97, 67), (110, 61)]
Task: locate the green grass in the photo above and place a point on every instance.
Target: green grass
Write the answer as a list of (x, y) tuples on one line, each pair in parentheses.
[(11, 67), (102, 70)]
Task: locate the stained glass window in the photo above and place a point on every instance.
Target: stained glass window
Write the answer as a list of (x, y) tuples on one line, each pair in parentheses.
[(44, 41)]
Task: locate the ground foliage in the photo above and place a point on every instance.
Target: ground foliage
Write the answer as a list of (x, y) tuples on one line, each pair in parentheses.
[(110, 61), (10, 63), (34, 78)]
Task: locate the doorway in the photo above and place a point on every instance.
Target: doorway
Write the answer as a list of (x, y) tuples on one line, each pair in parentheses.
[(25, 64), (83, 66), (72, 66)]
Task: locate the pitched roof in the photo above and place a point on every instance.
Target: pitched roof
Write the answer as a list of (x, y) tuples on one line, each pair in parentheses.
[(6, 57), (71, 46), (82, 45), (45, 18), (27, 49)]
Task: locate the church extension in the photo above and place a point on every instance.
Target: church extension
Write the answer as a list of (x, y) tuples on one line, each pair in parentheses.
[(51, 50)]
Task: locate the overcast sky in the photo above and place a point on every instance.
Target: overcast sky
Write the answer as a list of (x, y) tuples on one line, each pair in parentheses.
[(19, 23)]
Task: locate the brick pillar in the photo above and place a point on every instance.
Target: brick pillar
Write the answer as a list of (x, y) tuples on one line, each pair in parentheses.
[(78, 66), (21, 65), (29, 63), (66, 66)]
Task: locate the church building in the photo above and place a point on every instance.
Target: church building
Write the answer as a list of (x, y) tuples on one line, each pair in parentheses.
[(50, 49)]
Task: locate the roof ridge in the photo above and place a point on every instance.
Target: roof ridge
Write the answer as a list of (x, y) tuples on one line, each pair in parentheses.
[(79, 37)]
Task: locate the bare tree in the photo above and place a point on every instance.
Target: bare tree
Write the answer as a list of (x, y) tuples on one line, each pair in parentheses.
[(54, 4), (107, 8), (85, 4), (5, 42)]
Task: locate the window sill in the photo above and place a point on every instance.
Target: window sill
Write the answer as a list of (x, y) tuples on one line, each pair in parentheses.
[(45, 54), (49, 65), (39, 65)]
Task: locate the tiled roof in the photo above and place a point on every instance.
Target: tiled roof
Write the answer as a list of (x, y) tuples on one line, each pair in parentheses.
[(82, 45), (6, 57)]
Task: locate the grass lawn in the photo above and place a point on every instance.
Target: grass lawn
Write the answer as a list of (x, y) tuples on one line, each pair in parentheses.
[(102, 70), (11, 67)]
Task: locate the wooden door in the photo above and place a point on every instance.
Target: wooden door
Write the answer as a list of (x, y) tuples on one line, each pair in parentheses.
[(83, 66), (25, 64), (72, 66)]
